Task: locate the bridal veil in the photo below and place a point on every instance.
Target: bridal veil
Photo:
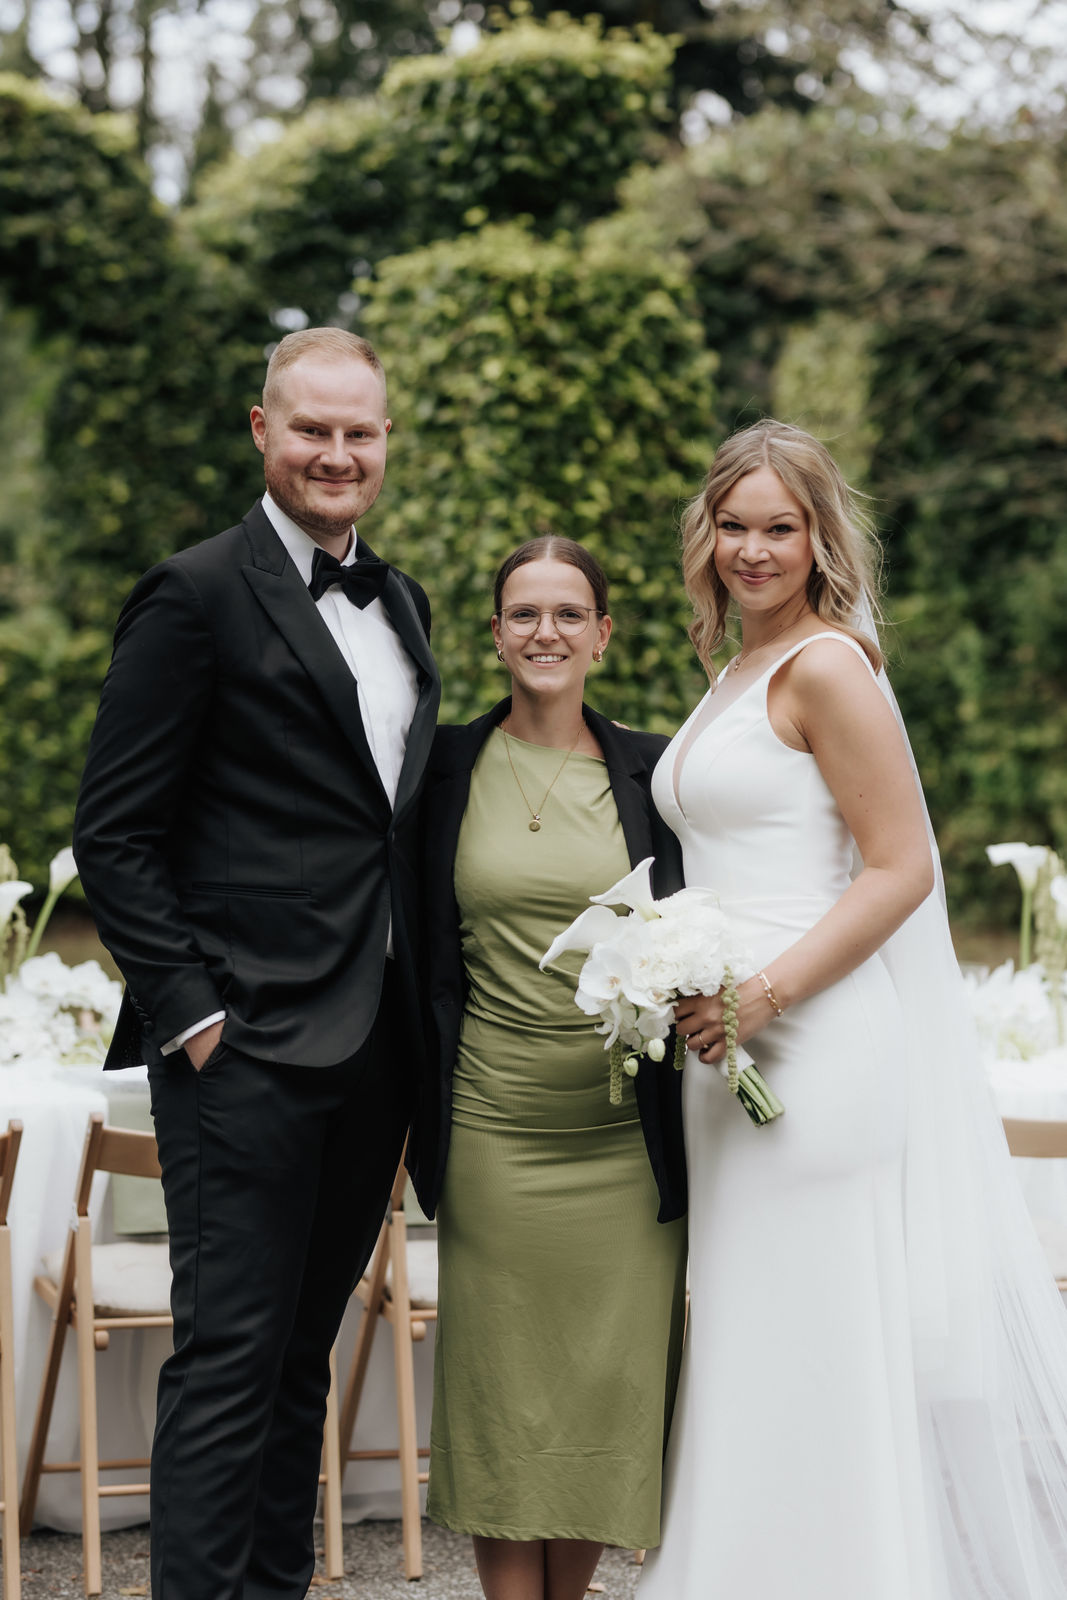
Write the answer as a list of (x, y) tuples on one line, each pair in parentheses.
[(989, 1326)]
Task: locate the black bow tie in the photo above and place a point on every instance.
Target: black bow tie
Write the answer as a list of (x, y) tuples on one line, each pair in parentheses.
[(362, 582)]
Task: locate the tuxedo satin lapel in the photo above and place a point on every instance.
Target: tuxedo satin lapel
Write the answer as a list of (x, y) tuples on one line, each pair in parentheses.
[(405, 619), (290, 607), (420, 738)]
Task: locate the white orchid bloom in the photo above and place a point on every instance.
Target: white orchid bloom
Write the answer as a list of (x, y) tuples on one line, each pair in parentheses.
[(635, 891), (584, 932), (10, 895), (1027, 859), (1058, 891), (604, 979), (62, 871)]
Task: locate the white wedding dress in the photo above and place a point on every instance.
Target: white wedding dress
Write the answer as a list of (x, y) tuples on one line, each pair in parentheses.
[(860, 1355)]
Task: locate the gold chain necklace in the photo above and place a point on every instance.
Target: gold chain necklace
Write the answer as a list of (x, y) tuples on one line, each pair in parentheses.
[(535, 816)]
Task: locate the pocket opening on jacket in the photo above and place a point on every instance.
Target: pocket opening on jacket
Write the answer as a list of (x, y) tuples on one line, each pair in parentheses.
[(250, 891)]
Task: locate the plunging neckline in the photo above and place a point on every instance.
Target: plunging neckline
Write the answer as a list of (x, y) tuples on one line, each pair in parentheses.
[(699, 729)]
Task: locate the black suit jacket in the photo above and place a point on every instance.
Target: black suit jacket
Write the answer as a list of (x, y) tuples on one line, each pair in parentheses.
[(233, 836), (630, 759)]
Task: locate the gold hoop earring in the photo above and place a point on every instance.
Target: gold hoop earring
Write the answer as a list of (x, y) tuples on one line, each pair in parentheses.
[(598, 655), (499, 653)]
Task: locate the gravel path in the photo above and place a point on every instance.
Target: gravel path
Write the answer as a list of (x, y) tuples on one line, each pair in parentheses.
[(374, 1567)]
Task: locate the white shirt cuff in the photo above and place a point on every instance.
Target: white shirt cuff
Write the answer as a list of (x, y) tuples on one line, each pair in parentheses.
[(179, 1039)]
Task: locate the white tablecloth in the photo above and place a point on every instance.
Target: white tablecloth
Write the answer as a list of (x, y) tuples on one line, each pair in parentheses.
[(54, 1105)]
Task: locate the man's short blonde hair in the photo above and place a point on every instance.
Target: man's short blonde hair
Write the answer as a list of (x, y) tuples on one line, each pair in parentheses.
[(335, 344)]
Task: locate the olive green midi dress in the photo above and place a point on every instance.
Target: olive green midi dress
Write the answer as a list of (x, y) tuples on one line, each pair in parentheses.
[(561, 1299)]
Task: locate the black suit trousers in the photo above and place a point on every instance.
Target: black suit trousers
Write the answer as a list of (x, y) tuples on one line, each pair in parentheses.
[(276, 1181)]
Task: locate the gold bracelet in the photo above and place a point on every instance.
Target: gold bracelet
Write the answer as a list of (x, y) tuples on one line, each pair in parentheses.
[(769, 992)]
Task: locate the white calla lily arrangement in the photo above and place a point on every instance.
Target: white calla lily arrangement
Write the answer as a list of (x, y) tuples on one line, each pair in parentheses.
[(638, 965), (1020, 1010), (50, 1013)]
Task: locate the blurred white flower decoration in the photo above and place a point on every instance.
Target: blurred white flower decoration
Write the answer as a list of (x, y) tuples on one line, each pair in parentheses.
[(1027, 859), (49, 1012)]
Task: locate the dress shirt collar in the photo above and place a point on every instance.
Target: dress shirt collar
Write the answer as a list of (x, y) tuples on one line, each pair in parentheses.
[(300, 546)]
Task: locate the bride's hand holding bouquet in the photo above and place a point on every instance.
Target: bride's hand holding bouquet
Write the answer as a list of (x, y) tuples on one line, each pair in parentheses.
[(710, 1023)]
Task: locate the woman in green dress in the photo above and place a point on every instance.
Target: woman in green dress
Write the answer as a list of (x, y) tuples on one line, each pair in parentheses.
[(561, 1298)]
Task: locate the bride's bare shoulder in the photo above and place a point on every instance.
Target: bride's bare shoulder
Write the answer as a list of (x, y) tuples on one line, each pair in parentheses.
[(830, 683), (831, 658)]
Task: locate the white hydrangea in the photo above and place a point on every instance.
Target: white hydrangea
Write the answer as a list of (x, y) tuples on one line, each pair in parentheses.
[(58, 1013), (1014, 1012), (45, 977)]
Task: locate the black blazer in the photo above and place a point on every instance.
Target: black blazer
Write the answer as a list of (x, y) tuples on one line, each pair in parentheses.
[(630, 758), (232, 833)]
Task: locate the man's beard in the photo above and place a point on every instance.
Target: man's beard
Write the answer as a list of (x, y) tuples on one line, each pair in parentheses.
[(315, 520)]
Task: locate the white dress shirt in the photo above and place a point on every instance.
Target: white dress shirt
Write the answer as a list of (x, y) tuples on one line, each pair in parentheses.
[(386, 677)]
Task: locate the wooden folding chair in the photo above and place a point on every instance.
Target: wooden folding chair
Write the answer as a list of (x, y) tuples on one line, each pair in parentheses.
[(399, 1287), (1043, 1140), (96, 1289), (9, 1153)]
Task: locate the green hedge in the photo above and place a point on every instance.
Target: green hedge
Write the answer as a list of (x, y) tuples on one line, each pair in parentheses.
[(541, 121), (544, 386), (50, 683), (142, 445)]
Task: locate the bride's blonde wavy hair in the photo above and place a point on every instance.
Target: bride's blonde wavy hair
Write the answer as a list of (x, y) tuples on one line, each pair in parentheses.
[(847, 566)]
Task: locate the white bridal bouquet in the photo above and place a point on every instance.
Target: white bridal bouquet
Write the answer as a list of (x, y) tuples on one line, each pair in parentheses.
[(638, 965)]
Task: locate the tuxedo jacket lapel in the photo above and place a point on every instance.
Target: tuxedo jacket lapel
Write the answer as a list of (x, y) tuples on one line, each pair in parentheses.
[(279, 589), (405, 619)]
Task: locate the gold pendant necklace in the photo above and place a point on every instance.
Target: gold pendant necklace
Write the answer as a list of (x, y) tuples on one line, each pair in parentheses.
[(535, 816)]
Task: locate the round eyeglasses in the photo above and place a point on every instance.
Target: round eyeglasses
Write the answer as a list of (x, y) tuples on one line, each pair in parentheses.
[(570, 621)]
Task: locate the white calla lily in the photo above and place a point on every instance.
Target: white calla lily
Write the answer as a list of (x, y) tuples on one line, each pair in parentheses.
[(584, 932), (635, 891), (1027, 859), (62, 871), (10, 894)]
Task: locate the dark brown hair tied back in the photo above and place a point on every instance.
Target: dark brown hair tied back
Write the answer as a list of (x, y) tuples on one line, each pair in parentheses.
[(552, 547)]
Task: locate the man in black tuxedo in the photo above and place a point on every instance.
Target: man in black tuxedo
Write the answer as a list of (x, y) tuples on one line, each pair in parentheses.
[(246, 838)]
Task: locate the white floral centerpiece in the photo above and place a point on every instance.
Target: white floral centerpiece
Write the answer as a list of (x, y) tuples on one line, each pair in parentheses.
[(49, 1012), (638, 965), (1020, 1011)]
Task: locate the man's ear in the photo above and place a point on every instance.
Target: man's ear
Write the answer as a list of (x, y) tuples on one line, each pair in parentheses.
[(257, 417)]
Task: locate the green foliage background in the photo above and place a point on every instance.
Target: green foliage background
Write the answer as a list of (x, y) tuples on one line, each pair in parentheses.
[(573, 311)]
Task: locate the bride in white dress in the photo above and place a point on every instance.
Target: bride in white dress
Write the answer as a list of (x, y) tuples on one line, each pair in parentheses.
[(873, 1402)]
